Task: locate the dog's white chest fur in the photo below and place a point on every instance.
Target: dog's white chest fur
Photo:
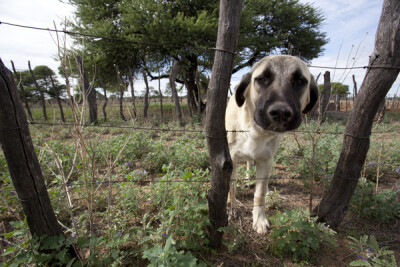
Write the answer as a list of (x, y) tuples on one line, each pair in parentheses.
[(251, 146)]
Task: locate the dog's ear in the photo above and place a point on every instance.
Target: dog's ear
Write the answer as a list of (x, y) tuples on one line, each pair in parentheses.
[(241, 88), (313, 96)]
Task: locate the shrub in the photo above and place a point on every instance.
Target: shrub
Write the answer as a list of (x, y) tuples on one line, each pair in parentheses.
[(381, 207), (370, 254), (296, 234), (169, 256)]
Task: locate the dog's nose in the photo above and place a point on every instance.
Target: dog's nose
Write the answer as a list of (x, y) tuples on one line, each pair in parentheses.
[(280, 113)]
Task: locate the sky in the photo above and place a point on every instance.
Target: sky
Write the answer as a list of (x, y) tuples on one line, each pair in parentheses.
[(350, 28)]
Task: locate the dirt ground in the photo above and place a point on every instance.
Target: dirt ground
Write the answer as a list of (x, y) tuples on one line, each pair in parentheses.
[(294, 194)]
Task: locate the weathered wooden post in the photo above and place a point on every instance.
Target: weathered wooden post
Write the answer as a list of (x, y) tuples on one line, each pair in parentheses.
[(325, 96), (23, 96), (22, 161), (23, 164), (384, 67), (221, 163), (355, 88)]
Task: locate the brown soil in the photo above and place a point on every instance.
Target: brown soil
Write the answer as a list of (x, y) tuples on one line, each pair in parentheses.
[(254, 251)]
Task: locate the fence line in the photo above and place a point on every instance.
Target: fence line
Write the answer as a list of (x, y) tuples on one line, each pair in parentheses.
[(148, 181), (176, 46), (181, 130)]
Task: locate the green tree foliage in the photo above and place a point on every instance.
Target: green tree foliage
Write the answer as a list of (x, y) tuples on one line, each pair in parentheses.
[(103, 18), (157, 31), (279, 27), (42, 74), (337, 88)]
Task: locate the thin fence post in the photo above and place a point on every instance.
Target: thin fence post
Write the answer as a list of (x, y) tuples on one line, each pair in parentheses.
[(221, 162), (23, 96), (326, 95)]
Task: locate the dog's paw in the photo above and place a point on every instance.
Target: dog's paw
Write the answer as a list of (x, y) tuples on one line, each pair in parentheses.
[(260, 221)]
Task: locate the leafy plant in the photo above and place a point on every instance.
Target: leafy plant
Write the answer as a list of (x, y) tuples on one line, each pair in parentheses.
[(167, 255), (53, 250), (370, 254), (381, 207), (296, 234), (233, 238), (36, 250), (273, 199), (184, 212)]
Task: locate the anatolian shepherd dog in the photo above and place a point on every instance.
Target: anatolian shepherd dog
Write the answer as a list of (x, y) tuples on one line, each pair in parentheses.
[(268, 101)]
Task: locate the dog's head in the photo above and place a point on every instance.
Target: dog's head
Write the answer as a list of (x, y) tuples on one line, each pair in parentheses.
[(278, 89)]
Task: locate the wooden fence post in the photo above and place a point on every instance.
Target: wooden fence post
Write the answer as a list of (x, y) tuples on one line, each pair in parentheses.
[(23, 164), (383, 71), (22, 161), (23, 96), (221, 162), (325, 96)]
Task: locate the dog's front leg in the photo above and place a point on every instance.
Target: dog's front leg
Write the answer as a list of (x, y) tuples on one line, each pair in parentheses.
[(260, 222)]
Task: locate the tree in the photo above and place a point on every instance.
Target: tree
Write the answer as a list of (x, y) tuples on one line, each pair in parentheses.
[(103, 18), (158, 32), (88, 90), (39, 90), (192, 24), (45, 79), (279, 26), (336, 88), (174, 93)]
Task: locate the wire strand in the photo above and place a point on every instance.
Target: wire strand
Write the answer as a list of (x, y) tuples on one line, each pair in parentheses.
[(177, 46)]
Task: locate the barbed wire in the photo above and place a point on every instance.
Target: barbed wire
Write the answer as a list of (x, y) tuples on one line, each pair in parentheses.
[(141, 181), (185, 130), (176, 45), (114, 38)]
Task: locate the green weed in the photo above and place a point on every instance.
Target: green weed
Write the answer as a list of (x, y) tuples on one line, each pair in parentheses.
[(379, 206), (370, 254), (296, 234)]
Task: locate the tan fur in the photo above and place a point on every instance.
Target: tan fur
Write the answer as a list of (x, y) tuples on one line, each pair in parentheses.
[(259, 145)]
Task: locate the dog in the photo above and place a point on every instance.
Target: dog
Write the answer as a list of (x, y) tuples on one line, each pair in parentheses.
[(268, 101)]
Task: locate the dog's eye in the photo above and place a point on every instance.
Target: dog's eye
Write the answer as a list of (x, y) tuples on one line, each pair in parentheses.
[(299, 79), (299, 82), (262, 80)]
